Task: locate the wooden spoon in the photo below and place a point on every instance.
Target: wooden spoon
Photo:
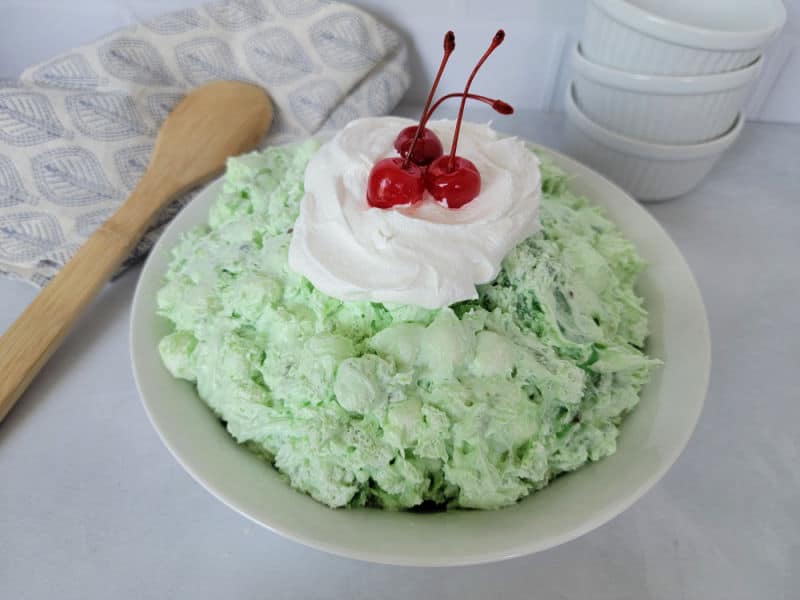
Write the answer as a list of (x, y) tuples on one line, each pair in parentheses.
[(210, 124)]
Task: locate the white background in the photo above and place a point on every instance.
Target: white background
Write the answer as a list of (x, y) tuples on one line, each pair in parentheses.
[(530, 71), (92, 506)]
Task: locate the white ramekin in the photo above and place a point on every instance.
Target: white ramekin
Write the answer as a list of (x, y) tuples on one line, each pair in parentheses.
[(671, 37), (647, 170), (661, 108)]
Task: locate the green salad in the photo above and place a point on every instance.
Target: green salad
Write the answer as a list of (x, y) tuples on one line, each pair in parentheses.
[(393, 406)]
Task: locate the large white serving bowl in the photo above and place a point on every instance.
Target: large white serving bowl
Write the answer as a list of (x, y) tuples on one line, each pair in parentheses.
[(648, 170), (666, 109), (679, 37), (652, 436)]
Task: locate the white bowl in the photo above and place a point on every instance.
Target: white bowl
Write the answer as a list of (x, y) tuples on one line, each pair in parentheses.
[(679, 37), (651, 438), (662, 108), (649, 171)]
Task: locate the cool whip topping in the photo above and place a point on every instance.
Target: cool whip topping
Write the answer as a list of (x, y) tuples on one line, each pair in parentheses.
[(426, 254)]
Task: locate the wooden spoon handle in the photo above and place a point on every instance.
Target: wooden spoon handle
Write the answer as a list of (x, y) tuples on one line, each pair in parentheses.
[(37, 333)]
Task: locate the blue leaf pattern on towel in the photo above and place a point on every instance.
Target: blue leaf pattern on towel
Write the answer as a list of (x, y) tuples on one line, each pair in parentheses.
[(237, 15), (27, 236), (106, 117), (58, 257), (390, 38), (12, 190), (27, 118), (134, 60), (160, 105), (207, 59), (76, 130), (384, 92), (341, 116), (132, 163), (42, 279), (71, 72), (299, 8), (343, 42), (312, 102), (179, 21), (72, 177), (281, 126), (86, 223), (277, 57)]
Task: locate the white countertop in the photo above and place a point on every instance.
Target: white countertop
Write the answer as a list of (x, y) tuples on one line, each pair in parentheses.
[(93, 506)]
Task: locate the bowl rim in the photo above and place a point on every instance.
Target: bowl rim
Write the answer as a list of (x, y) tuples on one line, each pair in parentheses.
[(702, 350), (648, 150), (668, 85), (702, 38)]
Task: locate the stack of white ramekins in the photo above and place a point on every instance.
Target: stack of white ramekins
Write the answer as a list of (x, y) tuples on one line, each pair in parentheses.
[(659, 87)]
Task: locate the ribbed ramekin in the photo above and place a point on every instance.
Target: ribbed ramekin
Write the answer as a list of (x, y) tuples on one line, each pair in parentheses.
[(647, 170), (661, 108), (679, 38)]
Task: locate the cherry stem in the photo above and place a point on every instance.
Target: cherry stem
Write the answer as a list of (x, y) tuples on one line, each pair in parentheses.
[(449, 46), (497, 104), (496, 41)]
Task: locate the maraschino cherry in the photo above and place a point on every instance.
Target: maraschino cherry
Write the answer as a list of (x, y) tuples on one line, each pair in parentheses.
[(453, 180), (421, 145), (399, 181), (395, 181), (427, 147)]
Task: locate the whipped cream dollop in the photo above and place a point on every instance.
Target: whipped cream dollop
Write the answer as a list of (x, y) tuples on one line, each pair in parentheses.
[(426, 254)]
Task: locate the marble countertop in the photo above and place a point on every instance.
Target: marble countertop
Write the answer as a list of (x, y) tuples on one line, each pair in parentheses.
[(93, 506)]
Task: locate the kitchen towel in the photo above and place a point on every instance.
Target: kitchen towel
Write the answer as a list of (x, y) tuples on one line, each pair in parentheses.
[(76, 131)]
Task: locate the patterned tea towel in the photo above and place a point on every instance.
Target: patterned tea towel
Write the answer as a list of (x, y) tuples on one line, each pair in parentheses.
[(76, 132)]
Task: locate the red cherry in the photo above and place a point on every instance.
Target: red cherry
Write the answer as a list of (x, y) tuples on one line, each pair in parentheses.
[(453, 187), (392, 184), (426, 149), (431, 147), (452, 179)]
